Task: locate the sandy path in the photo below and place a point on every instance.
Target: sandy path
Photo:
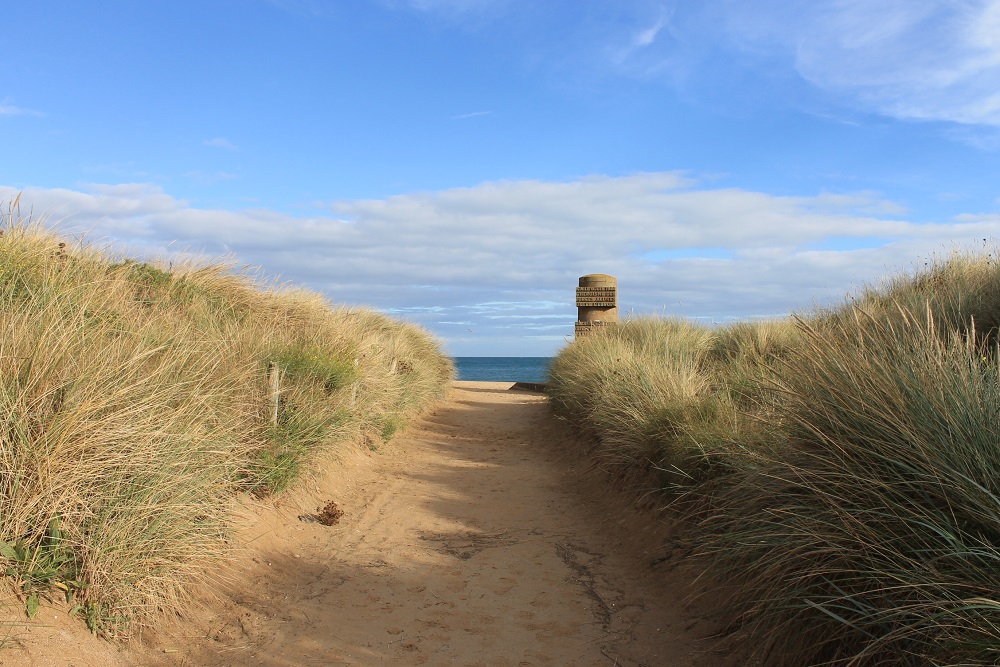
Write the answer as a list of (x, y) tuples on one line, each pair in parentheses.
[(481, 537)]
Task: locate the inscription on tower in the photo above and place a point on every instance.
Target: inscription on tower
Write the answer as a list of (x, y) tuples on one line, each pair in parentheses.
[(596, 302)]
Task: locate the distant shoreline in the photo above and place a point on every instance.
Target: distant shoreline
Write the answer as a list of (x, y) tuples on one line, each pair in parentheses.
[(501, 386)]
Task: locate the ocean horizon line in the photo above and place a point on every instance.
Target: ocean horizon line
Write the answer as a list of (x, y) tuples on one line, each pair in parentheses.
[(502, 369)]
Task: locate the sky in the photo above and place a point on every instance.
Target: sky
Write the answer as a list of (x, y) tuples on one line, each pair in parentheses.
[(461, 163)]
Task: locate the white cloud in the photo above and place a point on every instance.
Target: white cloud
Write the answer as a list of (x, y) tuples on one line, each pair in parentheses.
[(221, 142), (12, 110), (473, 114), (935, 60), (516, 248), (909, 59), (638, 35), (920, 59), (646, 36)]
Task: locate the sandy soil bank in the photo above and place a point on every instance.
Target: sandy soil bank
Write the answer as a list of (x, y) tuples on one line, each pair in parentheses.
[(479, 537)]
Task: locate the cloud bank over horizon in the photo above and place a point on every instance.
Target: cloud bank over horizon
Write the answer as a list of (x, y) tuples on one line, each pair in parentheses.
[(499, 261)]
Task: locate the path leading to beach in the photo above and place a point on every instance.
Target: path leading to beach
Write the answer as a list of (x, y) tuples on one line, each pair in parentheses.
[(480, 537)]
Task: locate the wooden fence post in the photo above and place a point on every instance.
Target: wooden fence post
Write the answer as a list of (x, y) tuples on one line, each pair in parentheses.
[(357, 383), (274, 389)]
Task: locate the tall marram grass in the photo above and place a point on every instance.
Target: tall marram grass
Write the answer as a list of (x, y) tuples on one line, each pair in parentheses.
[(134, 411), (960, 290), (637, 388), (873, 535), (668, 395), (856, 519)]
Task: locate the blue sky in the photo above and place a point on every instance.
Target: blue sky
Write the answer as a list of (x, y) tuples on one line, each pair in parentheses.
[(460, 163)]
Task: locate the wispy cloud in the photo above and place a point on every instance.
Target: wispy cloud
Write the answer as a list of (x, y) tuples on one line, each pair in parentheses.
[(906, 59), (630, 41), (516, 248), (647, 36), (474, 114), (910, 59), (7, 109), (221, 142)]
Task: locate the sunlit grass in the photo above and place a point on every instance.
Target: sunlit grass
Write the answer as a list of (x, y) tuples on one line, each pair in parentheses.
[(669, 395), (134, 407), (845, 483)]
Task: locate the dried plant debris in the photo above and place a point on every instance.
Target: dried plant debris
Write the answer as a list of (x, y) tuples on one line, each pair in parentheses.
[(328, 515)]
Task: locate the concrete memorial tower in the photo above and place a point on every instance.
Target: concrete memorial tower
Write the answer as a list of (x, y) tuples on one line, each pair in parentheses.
[(597, 302)]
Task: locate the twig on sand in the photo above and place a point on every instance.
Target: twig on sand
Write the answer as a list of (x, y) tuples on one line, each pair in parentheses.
[(615, 659)]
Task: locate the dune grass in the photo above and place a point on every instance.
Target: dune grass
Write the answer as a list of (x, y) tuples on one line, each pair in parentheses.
[(873, 535), (669, 396), (852, 510), (134, 411), (638, 389)]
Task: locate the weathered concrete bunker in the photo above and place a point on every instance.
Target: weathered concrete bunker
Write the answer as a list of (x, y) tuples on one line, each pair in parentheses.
[(596, 302)]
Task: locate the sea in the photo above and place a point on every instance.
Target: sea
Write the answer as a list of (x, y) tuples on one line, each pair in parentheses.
[(503, 369)]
